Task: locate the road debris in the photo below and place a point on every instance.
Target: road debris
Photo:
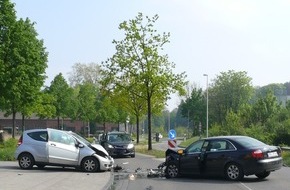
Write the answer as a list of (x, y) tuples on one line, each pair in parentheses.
[(121, 173)]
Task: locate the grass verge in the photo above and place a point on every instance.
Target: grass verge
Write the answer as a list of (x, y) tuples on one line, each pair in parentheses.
[(143, 149)]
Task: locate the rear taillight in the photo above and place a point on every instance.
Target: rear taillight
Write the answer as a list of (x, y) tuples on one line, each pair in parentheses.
[(258, 154), (19, 141)]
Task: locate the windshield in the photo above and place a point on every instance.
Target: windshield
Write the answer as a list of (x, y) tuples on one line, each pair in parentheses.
[(119, 138), (80, 138)]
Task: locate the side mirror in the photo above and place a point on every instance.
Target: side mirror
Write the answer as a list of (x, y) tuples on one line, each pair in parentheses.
[(180, 152), (80, 145)]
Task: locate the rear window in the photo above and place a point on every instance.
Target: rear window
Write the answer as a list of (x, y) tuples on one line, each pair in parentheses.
[(249, 142), (38, 136)]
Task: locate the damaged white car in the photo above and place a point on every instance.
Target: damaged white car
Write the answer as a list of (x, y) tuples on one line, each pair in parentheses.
[(42, 147)]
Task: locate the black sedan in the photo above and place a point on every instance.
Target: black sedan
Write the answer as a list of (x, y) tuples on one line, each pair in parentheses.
[(230, 156)]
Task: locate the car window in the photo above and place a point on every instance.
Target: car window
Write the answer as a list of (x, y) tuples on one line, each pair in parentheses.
[(219, 145), (61, 137), (249, 142), (38, 136), (195, 147), (80, 138)]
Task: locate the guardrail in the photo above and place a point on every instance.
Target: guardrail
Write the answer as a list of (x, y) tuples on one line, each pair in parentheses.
[(285, 148)]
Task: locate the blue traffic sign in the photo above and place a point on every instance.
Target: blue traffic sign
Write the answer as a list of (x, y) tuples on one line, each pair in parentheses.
[(172, 134)]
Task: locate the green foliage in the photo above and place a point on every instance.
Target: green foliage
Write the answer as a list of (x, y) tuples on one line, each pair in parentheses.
[(23, 61), (265, 108), (194, 106), (233, 125), (61, 94), (229, 91), (286, 158), (188, 141), (181, 131), (7, 149)]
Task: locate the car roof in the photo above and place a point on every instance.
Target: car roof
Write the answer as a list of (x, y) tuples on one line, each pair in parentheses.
[(45, 129), (34, 130), (227, 137)]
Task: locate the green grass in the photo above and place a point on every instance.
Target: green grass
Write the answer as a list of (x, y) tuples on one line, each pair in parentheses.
[(286, 158), (188, 142), (143, 149)]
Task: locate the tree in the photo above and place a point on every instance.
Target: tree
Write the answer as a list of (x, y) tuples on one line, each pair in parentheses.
[(23, 62), (61, 92), (84, 73), (194, 107), (138, 67), (228, 92), (87, 97), (265, 108)]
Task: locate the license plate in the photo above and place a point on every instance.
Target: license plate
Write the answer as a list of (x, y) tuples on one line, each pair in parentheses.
[(272, 154)]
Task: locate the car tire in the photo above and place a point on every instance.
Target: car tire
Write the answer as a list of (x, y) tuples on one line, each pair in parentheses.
[(234, 172), (133, 156), (171, 170), (90, 164), (26, 161), (263, 175)]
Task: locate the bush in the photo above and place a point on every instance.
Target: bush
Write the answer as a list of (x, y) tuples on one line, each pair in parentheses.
[(7, 149)]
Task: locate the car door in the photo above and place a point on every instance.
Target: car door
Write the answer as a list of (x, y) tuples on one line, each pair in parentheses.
[(62, 148), (190, 161), (217, 154)]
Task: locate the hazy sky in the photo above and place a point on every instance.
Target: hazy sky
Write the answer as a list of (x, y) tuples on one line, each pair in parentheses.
[(207, 36)]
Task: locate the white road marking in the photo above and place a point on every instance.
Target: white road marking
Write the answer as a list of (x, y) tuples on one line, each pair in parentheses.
[(245, 186)]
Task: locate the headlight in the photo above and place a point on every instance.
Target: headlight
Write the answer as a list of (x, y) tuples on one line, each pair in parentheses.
[(110, 146), (130, 146)]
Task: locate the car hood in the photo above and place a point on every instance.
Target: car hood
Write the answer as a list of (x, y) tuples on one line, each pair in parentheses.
[(120, 143), (98, 147), (173, 150)]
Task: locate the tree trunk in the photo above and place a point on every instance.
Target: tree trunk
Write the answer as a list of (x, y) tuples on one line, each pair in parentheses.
[(137, 122), (13, 123), (149, 123), (58, 126), (23, 123)]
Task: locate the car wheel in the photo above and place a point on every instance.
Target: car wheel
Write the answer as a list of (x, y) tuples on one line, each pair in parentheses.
[(234, 172), (133, 156), (26, 161), (171, 170), (90, 164), (263, 175)]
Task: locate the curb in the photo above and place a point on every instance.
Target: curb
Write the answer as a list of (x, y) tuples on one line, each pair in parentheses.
[(110, 183)]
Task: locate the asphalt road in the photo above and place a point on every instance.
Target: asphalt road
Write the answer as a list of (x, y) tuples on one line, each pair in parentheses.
[(50, 178)]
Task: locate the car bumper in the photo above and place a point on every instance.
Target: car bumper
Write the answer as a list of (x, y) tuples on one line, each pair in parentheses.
[(267, 165), (121, 152), (106, 163)]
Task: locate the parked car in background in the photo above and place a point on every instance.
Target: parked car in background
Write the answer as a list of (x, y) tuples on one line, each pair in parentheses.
[(43, 147), (118, 144), (230, 156)]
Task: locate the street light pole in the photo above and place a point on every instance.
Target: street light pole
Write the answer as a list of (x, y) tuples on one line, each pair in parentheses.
[(206, 104)]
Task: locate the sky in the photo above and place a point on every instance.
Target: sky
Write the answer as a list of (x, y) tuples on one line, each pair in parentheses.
[(207, 36)]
